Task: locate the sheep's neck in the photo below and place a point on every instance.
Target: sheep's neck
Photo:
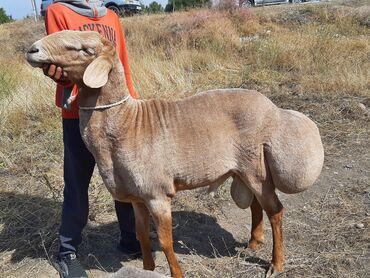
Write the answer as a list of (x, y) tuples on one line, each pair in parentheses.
[(112, 92)]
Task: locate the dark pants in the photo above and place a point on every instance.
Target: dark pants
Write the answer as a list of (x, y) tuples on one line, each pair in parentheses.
[(78, 168)]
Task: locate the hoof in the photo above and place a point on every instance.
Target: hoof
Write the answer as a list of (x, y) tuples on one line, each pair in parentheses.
[(271, 272), (255, 244)]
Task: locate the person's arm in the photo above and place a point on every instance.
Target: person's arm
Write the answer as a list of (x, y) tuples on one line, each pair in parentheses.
[(55, 23), (123, 55), (65, 95)]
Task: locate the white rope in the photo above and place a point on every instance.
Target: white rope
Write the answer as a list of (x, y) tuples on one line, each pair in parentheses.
[(104, 106)]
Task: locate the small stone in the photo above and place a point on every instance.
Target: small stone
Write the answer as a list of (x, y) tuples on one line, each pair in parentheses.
[(248, 39), (360, 226), (362, 107), (335, 173)]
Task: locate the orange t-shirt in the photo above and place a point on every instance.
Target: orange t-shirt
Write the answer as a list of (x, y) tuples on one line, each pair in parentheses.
[(59, 17)]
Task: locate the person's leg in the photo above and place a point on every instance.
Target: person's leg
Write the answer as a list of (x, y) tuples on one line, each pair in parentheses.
[(126, 220), (78, 168)]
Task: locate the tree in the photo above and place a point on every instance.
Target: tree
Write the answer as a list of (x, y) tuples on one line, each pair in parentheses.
[(4, 18), (155, 7), (168, 8), (186, 4)]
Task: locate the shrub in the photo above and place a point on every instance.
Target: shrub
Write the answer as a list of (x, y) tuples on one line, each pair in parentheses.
[(4, 18)]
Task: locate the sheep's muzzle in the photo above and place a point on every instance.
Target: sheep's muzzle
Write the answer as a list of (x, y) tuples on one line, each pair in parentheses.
[(36, 56)]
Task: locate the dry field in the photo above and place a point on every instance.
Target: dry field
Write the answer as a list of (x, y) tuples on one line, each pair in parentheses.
[(314, 58)]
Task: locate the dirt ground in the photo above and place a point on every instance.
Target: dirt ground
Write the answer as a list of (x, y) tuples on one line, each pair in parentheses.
[(326, 228)]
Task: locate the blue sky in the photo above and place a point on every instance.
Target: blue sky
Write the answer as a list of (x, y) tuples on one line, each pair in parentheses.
[(20, 8)]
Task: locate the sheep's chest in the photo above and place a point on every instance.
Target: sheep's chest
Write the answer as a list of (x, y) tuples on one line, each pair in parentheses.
[(109, 159)]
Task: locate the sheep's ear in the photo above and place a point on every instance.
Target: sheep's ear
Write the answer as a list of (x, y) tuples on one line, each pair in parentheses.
[(96, 74)]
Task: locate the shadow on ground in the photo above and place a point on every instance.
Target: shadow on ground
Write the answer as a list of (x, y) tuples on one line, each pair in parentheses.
[(29, 228)]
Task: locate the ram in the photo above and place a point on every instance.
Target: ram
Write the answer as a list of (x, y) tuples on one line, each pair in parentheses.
[(147, 150)]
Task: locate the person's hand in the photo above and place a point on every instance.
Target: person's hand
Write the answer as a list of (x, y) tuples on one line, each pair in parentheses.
[(56, 73)]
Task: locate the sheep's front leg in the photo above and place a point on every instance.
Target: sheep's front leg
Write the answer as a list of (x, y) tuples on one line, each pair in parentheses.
[(161, 212), (142, 224), (257, 225)]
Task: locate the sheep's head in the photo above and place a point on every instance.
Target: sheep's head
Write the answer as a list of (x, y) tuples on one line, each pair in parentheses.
[(85, 56)]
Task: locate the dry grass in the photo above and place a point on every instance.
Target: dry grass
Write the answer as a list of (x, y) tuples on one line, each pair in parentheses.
[(311, 49), (312, 58)]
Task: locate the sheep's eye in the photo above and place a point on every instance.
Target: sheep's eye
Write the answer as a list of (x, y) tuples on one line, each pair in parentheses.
[(71, 47), (85, 51), (89, 51)]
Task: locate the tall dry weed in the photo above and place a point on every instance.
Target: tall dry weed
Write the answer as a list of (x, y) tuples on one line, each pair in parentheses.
[(309, 48)]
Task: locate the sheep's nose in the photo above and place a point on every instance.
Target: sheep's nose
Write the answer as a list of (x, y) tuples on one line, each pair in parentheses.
[(34, 49)]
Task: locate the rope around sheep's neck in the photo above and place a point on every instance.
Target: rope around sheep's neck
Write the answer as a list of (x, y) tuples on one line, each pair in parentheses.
[(104, 106)]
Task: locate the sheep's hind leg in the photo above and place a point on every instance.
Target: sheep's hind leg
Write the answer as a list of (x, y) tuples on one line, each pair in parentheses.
[(264, 192), (161, 212), (257, 225), (142, 224), (274, 209)]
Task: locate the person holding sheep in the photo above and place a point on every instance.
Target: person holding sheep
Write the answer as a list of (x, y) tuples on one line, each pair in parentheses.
[(78, 161)]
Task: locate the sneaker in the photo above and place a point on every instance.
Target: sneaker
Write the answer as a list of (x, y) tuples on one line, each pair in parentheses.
[(68, 266)]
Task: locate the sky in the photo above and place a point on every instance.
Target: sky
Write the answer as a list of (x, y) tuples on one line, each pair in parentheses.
[(20, 8)]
